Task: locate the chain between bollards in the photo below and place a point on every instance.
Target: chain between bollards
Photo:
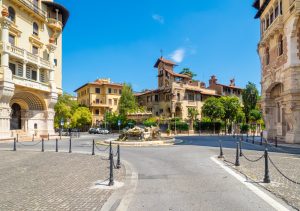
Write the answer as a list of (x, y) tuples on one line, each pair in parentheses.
[(237, 157), (70, 145), (118, 159), (56, 145), (267, 176), (93, 147), (111, 170), (221, 150), (15, 145), (43, 149)]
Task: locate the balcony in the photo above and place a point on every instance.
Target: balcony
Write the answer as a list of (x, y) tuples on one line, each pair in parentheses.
[(30, 83), (55, 25), (25, 55), (277, 25), (30, 7), (100, 105)]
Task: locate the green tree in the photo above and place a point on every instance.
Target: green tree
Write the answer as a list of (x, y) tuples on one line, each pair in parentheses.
[(64, 109), (81, 117), (231, 106), (250, 97), (213, 108), (127, 101), (192, 114), (188, 72)]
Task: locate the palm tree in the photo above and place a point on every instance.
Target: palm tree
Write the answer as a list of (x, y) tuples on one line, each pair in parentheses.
[(192, 114)]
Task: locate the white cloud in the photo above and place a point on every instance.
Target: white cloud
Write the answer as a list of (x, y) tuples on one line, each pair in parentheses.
[(178, 55), (158, 18)]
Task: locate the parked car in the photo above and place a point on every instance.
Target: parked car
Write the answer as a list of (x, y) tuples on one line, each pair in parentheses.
[(102, 131), (93, 131)]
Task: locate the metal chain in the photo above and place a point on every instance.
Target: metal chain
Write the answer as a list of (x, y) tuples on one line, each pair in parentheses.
[(101, 150), (29, 145), (282, 174), (253, 161)]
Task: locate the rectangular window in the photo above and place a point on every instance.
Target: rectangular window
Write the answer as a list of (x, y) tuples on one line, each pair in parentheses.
[(97, 112), (109, 90), (12, 67), (120, 91), (115, 91), (12, 39), (35, 50), (156, 98), (34, 75), (42, 76), (20, 69), (97, 101), (97, 90), (110, 102), (55, 62), (115, 102)]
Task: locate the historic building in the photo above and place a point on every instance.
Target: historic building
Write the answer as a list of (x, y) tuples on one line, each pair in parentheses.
[(100, 96), (31, 65), (279, 51), (176, 93), (225, 90)]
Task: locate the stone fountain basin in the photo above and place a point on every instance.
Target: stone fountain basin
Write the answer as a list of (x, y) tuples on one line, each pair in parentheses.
[(142, 143)]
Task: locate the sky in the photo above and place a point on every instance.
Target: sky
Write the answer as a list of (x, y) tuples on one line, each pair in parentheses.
[(122, 40)]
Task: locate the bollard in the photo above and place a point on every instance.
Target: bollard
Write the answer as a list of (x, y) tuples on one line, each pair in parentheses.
[(276, 142), (253, 138), (93, 147), (221, 150), (237, 157), (266, 177), (247, 137), (111, 170), (32, 137), (110, 149), (56, 145), (43, 145), (70, 146), (241, 153), (118, 159), (15, 145)]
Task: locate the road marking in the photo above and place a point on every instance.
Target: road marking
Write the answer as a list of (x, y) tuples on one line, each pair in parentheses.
[(276, 205)]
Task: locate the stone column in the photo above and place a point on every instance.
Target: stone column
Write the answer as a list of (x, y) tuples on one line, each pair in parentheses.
[(6, 83)]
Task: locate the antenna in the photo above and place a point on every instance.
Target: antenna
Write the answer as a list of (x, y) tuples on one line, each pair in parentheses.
[(161, 53)]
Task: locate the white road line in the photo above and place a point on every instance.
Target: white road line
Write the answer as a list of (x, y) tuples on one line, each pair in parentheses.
[(276, 205)]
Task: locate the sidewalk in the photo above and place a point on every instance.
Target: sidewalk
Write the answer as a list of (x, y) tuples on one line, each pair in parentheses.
[(53, 181)]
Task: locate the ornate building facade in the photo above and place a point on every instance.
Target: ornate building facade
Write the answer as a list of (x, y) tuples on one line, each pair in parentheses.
[(279, 51), (176, 93), (100, 96), (31, 65)]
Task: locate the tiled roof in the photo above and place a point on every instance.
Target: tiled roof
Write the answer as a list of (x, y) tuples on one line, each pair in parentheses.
[(163, 60)]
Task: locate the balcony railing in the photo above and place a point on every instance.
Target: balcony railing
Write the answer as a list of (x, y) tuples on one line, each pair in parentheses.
[(21, 81), (25, 55), (56, 24), (30, 5), (277, 24)]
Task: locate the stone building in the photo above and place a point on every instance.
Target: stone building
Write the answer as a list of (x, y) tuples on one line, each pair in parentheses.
[(280, 67), (100, 96), (31, 65), (176, 93)]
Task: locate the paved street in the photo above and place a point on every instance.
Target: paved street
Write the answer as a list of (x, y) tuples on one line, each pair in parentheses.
[(181, 177)]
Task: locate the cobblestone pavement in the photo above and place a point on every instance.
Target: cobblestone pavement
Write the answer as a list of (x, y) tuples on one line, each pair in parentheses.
[(288, 164), (52, 181)]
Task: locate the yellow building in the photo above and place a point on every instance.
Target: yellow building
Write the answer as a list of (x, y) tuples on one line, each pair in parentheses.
[(279, 53), (31, 65), (100, 96)]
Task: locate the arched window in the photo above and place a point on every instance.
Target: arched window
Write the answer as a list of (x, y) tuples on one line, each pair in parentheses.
[(280, 45), (11, 14), (267, 56), (35, 29)]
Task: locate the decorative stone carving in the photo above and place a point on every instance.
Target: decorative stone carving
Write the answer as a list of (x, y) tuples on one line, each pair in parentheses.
[(4, 12)]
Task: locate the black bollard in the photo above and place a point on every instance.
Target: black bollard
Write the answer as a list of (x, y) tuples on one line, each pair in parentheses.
[(110, 149), (253, 138), (56, 145), (266, 177), (111, 170), (241, 153), (70, 146), (43, 145), (15, 145), (221, 150), (118, 159), (237, 157), (93, 147), (276, 142)]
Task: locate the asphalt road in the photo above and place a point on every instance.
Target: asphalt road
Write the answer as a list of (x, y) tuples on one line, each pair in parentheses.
[(180, 177)]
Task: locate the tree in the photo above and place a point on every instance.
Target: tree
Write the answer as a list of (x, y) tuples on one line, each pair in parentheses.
[(213, 108), (64, 109), (188, 72), (231, 106), (250, 98), (81, 117), (254, 117), (192, 113), (127, 101)]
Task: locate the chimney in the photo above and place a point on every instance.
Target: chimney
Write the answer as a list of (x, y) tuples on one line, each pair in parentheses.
[(202, 85), (213, 80), (232, 82)]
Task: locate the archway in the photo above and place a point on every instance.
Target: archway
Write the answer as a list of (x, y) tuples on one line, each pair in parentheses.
[(15, 123), (178, 112)]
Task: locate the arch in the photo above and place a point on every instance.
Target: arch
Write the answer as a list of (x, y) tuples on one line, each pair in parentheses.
[(178, 112), (28, 101), (275, 86), (35, 27), (12, 14), (15, 122)]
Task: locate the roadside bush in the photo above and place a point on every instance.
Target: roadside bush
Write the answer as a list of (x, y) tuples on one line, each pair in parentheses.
[(150, 122), (244, 128), (209, 126)]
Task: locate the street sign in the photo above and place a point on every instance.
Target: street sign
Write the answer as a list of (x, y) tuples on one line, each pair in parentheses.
[(62, 122), (119, 122)]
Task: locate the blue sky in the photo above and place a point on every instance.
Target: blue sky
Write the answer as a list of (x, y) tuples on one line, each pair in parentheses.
[(121, 40)]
